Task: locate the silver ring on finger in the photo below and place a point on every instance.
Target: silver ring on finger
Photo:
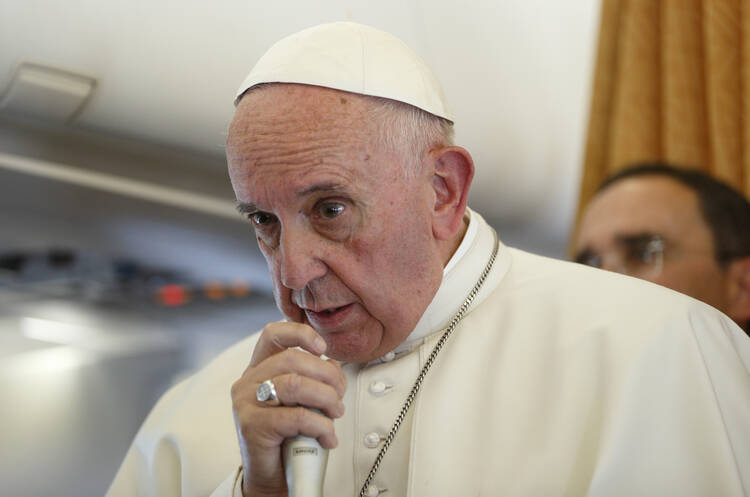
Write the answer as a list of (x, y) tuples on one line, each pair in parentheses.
[(266, 394)]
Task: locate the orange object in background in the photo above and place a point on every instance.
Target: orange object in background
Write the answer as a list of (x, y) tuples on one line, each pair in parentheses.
[(240, 288), (214, 290)]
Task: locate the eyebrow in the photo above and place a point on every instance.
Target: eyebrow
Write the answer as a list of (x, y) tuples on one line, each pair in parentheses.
[(328, 186), (246, 207)]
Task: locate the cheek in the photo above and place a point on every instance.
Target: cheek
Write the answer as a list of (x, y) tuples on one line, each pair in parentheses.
[(360, 269), (691, 278), (674, 278), (391, 271), (360, 248)]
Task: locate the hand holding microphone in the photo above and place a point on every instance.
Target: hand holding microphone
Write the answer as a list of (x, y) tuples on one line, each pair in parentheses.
[(291, 414), (305, 462), (304, 458)]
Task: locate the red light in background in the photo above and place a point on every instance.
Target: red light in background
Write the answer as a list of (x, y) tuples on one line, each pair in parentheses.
[(172, 295)]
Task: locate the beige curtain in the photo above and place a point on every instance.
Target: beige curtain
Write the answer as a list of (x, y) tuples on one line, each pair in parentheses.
[(672, 83)]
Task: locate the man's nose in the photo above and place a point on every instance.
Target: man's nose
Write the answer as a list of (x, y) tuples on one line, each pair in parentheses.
[(299, 260)]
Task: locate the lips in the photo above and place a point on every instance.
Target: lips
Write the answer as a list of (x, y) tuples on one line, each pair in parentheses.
[(330, 317)]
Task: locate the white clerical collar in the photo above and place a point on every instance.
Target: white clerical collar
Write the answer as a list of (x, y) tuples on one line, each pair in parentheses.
[(459, 277), (471, 233)]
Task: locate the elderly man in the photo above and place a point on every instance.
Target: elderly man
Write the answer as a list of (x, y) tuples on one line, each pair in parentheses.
[(428, 357), (676, 227)]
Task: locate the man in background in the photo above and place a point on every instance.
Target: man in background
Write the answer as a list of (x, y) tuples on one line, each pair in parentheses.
[(679, 228)]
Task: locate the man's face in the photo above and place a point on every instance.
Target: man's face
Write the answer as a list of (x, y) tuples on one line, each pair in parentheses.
[(619, 221), (347, 238)]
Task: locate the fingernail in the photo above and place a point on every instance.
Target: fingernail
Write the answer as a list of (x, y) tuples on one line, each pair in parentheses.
[(341, 408), (320, 344)]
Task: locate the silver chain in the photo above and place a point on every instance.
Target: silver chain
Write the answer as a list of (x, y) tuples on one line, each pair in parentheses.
[(431, 359)]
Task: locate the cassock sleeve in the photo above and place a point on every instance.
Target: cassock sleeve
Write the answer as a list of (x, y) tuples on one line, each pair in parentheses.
[(152, 466), (187, 446), (726, 356), (681, 425)]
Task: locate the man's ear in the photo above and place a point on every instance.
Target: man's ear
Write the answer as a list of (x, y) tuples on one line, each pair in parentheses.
[(739, 289), (454, 170)]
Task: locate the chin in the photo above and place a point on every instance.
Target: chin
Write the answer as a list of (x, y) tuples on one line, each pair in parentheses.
[(350, 346)]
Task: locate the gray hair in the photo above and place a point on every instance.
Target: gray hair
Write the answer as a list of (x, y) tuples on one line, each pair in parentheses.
[(410, 131)]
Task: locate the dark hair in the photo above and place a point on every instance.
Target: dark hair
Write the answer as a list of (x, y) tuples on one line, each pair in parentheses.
[(725, 210)]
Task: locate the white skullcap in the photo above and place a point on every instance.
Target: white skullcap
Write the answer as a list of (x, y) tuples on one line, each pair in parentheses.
[(351, 57)]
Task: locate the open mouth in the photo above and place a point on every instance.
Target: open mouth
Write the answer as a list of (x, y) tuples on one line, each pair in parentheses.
[(332, 310), (328, 316)]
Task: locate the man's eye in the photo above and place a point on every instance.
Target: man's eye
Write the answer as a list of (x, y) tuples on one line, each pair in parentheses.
[(589, 259), (262, 218), (330, 210), (645, 250)]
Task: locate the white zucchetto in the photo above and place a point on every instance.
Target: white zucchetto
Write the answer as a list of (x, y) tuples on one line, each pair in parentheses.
[(351, 57)]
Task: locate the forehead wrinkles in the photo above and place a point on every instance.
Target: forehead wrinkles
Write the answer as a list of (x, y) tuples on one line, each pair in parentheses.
[(291, 144), (303, 137), (296, 181), (303, 108)]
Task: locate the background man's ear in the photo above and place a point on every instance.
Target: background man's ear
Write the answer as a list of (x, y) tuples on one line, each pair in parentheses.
[(454, 170), (739, 290)]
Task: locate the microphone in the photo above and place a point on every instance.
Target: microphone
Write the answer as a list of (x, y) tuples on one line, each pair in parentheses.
[(305, 462)]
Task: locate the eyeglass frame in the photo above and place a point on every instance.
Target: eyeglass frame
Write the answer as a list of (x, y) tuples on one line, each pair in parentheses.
[(643, 249)]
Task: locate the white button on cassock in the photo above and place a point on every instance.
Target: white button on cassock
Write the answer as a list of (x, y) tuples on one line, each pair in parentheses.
[(389, 356), (372, 491), (372, 440), (377, 387)]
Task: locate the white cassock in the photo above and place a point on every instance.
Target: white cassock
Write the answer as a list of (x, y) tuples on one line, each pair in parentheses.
[(561, 380)]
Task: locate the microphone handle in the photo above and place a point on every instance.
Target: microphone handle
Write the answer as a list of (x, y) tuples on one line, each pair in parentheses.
[(305, 462)]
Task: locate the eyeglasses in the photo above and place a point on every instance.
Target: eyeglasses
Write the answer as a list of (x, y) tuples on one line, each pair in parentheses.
[(640, 255)]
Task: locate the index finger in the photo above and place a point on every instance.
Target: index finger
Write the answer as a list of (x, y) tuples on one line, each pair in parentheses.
[(282, 335)]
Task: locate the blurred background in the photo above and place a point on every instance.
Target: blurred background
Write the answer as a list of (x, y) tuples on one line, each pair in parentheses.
[(123, 266)]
